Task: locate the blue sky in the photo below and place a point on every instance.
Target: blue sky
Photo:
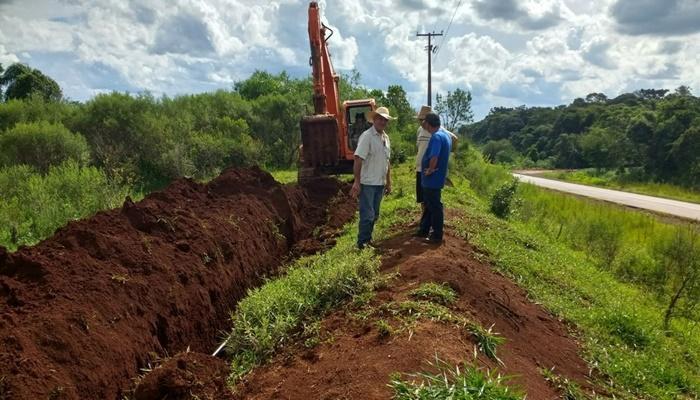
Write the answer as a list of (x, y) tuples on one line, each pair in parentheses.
[(506, 52)]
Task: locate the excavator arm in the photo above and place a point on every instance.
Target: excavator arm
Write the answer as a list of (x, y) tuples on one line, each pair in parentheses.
[(319, 132)]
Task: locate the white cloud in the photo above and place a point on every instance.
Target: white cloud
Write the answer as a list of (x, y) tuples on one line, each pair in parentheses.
[(508, 52)]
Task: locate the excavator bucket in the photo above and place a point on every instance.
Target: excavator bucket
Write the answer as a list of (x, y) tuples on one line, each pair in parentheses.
[(319, 137)]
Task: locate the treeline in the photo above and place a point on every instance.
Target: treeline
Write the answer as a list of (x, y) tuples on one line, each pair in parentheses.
[(650, 134)]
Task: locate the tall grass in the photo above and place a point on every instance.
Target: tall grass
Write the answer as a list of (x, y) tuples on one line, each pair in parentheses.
[(600, 268), (33, 205)]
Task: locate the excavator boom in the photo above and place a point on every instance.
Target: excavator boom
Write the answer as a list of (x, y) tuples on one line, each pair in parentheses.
[(319, 132)]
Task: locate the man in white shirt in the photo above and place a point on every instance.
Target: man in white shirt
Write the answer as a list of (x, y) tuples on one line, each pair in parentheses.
[(372, 172)]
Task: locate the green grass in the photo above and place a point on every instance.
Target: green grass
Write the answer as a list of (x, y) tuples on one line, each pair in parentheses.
[(435, 292), (608, 179), (619, 323), (453, 382), (274, 315)]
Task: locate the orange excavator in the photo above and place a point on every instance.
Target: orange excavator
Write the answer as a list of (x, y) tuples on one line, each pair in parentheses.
[(329, 136)]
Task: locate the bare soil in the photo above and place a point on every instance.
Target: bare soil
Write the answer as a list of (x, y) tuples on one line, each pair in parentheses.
[(84, 312), (355, 360)]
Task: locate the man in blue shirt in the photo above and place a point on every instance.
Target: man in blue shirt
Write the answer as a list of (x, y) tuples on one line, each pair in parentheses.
[(434, 165)]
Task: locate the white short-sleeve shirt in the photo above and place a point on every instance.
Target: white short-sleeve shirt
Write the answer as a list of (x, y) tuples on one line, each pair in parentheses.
[(375, 150)]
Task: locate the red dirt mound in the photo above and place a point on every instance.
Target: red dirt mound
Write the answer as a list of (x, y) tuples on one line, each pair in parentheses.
[(191, 376), (83, 312), (355, 360)]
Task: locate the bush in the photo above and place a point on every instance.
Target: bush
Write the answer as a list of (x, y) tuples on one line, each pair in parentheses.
[(41, 145), (502, 202), (33, 206)]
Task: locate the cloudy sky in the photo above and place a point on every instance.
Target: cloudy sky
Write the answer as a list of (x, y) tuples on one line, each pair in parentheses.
[(506, 52)]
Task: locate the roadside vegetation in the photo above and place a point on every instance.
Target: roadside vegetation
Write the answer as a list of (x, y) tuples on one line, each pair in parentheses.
[(615, 180), (613, 273)]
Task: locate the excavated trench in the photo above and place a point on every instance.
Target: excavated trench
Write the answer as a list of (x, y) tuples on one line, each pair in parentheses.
[(84, 312)]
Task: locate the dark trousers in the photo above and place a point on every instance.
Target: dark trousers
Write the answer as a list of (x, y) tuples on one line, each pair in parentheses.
[(433, 216), (419, 188)]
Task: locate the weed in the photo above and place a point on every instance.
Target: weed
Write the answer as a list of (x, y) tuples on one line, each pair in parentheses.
[(487, 341), (275, 231), (465, 383), (312, 332), (384, 329), (434, 292), (415, 310), (569, 390)]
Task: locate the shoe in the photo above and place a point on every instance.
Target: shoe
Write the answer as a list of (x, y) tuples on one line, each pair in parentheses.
[(432, 240), (420, 234), (367, 244)]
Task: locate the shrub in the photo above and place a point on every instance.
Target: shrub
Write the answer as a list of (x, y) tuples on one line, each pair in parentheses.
[(41, 145), (502, 201), (33, 206)]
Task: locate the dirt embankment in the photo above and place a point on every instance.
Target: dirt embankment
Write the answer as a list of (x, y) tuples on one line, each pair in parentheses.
[(82, 313), (355, 360)]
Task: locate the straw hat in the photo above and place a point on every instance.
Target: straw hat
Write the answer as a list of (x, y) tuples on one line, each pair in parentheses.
[(424, 110), (383, 111)]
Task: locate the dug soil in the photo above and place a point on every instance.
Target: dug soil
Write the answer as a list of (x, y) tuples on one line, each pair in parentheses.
[(83, 313), (356, 359)]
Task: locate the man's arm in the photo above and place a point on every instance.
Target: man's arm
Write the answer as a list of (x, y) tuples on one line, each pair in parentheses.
[(356, 169), (432, 166), (433, 152), (387, 187)]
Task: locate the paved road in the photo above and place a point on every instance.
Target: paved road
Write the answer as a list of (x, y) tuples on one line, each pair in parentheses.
[(657, 204)]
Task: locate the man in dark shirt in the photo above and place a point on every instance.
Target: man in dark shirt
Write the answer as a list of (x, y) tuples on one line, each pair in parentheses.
[(434, 169)]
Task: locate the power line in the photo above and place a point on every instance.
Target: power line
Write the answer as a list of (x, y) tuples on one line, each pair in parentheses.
[(448, 28)]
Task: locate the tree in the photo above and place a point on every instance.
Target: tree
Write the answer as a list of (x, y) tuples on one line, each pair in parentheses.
[(1, 69), (396, 100), (651, 94), (262, 83), (683, 91), (455, 109), (22, 82), (596, 98)]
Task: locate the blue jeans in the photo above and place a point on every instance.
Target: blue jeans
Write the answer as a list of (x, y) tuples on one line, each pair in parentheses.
[(433, 216), (370, 199)]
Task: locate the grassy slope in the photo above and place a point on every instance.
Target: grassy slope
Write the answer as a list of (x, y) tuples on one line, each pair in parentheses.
[(619, 324)]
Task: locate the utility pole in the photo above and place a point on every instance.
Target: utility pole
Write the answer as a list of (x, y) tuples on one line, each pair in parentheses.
[(430, 49)]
